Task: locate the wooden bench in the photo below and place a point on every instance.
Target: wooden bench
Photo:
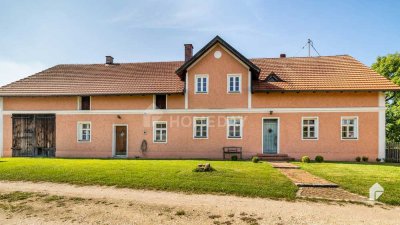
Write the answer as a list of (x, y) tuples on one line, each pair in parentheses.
[(231, 150)]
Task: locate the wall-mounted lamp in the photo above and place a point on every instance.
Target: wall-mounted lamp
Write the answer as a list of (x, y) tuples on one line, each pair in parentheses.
[(119, 117), (270, 112)]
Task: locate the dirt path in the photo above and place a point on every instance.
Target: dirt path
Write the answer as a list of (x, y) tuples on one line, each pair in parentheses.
[(68, 204)]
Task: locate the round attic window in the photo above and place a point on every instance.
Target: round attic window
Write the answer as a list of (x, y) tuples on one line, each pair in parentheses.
[(217, 54)]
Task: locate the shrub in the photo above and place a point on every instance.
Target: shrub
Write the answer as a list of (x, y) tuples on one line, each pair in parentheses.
[(305, 159), (378, 159), (319, 158), (358, 158), (234, 158), (255, 159), (365, 159), (204, 168)]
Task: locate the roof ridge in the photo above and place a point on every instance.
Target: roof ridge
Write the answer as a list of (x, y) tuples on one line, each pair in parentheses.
[(300, 57), (123, 63)]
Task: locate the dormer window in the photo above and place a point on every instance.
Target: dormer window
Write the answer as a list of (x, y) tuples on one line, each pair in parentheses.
[(234, 83), (201, 84), (272, 77), (84, 102)]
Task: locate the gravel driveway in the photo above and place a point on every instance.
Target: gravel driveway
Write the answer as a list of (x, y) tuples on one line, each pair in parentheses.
[(69, 204)]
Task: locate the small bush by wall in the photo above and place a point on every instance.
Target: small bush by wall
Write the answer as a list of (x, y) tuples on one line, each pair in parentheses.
[(305, 159), (319, 159), (255, 159)]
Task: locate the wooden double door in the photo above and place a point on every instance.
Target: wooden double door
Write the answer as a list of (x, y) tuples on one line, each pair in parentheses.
[(33, 135)]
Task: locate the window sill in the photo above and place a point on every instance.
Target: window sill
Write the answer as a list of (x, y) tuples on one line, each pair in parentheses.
[(234, 92), (160, 142), (349, 139), (84, 141), (200, 137), (234, 137), (310, 139)]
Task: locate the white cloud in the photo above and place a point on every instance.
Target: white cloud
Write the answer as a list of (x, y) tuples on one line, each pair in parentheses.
[(11, 71)]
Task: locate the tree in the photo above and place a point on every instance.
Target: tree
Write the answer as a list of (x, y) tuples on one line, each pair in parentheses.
[(389, 67)]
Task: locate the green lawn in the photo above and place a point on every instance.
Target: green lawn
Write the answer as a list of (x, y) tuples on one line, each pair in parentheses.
[(241, 178), (359, 177)]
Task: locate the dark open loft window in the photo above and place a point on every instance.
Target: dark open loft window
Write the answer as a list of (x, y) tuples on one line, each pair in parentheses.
[(84, 103), (272, 77), (161, 102)]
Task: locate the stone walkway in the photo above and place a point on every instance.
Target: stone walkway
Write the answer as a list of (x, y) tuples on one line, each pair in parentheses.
[(311, 186)]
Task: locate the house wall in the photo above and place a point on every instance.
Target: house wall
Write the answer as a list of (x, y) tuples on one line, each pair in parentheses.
[(120, 102), (40, 103), (217, 97), (315, 100), (180, 142)]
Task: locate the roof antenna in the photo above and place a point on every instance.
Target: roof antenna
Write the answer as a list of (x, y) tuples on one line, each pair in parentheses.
[(310, 45)]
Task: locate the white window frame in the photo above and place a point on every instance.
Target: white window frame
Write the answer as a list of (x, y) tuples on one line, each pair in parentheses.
[(154, 132), (241, 127), (316, 128), (79, 101), (228, 83), (356, 130), (80, 131), (195, 125), (154, 102), (207, 83)]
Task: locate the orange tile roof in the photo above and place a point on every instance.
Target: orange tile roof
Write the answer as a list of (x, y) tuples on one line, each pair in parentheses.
[(319, 74), (298, 74), (100, 79)]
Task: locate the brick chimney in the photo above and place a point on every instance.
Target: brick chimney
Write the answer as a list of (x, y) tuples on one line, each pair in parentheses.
[(109, 60), (188, 52), (282, 55)]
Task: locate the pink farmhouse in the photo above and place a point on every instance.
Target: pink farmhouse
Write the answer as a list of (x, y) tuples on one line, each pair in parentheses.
[(332, 106)]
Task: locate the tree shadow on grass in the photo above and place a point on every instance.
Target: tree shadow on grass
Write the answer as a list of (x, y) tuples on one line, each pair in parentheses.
[(365, 163)]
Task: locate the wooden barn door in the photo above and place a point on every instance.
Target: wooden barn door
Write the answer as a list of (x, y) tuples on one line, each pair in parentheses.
[(33, 135)]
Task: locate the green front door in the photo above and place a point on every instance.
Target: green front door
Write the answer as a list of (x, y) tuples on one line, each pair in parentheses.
[(270, 136)]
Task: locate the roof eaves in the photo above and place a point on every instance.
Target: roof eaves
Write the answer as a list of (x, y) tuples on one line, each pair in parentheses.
[(323, 90)]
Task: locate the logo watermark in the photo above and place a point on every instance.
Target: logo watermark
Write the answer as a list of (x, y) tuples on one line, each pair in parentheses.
[(375, 192)]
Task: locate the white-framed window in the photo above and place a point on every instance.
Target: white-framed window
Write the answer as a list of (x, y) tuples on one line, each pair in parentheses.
[(200, 127), (201, 83), (234, 83), (160, 131), (234, 127), (309, 129), (84, 131), (349, 127)]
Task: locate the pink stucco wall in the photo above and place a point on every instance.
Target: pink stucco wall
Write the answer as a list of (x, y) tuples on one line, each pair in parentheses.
[(40, 103), (181, 144), (314, 100), (217, 71)]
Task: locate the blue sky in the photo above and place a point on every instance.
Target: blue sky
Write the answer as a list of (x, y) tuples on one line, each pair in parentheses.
[(39, 34)]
